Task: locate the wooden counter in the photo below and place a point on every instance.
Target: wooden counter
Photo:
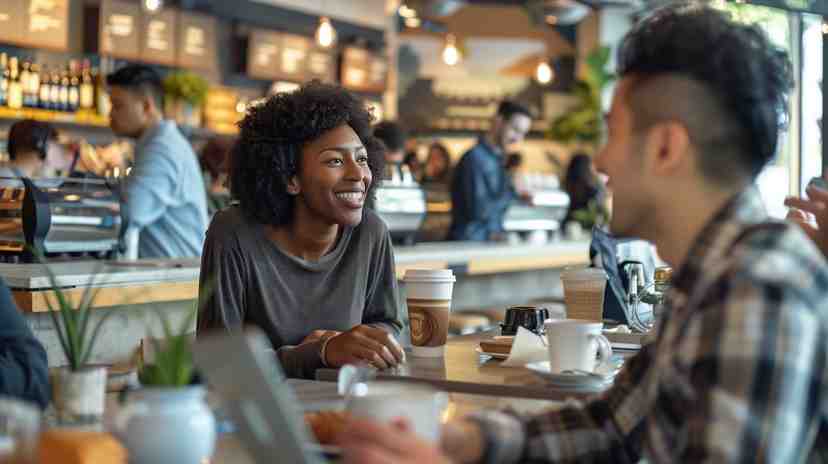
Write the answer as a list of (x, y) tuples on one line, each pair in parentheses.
[(151, 281)]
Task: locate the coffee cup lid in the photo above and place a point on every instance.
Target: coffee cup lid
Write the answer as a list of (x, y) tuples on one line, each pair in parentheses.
[(429, 275)]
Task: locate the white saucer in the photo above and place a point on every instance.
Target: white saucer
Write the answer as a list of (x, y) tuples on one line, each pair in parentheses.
[(494, 355), (574, 381)]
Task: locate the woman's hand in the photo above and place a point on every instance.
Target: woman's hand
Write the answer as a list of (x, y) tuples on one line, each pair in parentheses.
[(364, 344), (816, 204)]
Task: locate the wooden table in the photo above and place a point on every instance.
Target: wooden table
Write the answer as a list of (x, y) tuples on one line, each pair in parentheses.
[(463, 370)]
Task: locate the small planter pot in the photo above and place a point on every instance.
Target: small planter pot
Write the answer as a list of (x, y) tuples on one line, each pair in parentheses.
[(167, 425), (79, 396)]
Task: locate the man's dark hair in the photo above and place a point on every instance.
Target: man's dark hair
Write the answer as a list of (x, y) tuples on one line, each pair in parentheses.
[(725, 81), (507, 108), (30, 135), (268, 151), (139, 79), (391, 135)]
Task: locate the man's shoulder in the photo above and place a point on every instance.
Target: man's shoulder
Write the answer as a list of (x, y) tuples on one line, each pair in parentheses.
[(779, 256), (168, 141)]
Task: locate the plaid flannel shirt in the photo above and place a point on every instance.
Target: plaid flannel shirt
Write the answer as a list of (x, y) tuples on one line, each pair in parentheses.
[(736, 373)]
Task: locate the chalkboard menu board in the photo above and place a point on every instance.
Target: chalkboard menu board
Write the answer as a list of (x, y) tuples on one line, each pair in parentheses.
[(196, 41), (263, 53), (158, 37), (35, 23), (321, 65), (119, 28), (363, 71), (274, 55)]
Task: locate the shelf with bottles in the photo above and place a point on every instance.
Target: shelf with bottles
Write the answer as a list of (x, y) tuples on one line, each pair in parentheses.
[(73, 93)]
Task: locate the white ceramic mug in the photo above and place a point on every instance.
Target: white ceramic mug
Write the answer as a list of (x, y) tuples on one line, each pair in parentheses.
[(385, 401), (576, 344)]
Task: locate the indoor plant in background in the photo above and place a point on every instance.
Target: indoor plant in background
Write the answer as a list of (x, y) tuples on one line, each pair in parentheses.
[(168, 419), (184, 95), (78, 389), (582, 126)]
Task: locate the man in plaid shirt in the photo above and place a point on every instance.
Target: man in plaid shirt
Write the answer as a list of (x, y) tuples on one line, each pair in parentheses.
[(737, 372)]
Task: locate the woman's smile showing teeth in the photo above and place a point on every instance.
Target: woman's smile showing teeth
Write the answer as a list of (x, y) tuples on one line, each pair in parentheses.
[(353, 199)]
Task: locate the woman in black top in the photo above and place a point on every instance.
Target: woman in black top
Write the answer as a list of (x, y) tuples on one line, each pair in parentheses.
[(583, 186)]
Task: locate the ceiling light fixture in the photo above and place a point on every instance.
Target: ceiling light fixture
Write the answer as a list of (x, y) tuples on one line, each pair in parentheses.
[(407, 12), (325, 33), (451, 54), (152, 6), (544, 73)]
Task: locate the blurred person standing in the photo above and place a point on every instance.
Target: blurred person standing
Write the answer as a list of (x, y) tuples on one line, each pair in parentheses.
[(481, 191), (437, 169), (393, 137), (164, 197)]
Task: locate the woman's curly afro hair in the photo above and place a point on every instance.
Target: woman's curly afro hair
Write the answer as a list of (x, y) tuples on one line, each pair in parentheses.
[(272, 135)]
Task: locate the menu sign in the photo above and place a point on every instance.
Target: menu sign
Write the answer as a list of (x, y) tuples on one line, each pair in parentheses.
[(119, 27), (294, 57), (35, 23), (263, 53), (196, 41), (363, 71), (12, 21), (320, 65), (158, 37)]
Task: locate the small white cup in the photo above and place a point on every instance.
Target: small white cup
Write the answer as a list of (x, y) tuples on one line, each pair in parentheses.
[(576, 344), (385, 401)]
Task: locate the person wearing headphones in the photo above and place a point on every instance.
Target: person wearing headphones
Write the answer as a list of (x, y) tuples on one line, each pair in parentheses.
[(29, 145)]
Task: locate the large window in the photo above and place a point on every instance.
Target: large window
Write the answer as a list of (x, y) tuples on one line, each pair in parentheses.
[(800, 149)]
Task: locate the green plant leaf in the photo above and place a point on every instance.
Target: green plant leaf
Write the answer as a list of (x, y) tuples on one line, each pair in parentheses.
[(92, 339)]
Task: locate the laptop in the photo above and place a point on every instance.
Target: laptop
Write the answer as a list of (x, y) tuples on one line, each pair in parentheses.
[(242, 369)]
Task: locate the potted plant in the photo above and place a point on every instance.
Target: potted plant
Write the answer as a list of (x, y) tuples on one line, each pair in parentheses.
[(168, 419), (78, 389), (583, 123), (184, 95)]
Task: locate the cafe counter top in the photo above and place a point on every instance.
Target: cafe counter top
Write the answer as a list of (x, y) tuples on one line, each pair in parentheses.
[(154, 280)]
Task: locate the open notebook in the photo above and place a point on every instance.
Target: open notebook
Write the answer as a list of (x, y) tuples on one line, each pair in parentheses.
[(241, 368)]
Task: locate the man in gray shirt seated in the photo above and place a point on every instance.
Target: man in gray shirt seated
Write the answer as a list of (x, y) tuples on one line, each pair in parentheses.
[(164, 194)]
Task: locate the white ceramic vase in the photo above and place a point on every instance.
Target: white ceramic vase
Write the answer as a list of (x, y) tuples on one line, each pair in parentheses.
[(167, 425), (79, 396)]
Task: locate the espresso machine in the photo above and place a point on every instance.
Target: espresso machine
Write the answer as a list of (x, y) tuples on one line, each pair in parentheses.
[(60, 218)]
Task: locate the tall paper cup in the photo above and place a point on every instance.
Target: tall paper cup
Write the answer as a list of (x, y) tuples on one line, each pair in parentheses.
[(584, 293), (428, 296)]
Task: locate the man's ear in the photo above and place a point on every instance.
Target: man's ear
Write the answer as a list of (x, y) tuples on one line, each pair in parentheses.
[(293, 186), (667, 148)]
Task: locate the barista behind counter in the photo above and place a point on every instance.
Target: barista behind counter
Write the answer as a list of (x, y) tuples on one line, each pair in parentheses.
[(164, 195), (32, 146)]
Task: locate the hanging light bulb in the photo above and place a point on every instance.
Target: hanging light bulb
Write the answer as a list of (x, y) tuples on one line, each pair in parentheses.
[(325, 33), (152, 6), (544, 73), (451, 54), (407, 12)]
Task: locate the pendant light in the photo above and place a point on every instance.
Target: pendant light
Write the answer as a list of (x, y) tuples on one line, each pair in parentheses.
[(152, 6), (451, 54), (544, 73), (325, 33)]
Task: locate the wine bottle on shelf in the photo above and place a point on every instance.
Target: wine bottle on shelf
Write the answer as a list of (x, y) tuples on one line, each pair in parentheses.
[(64, 91), (102, 102), (44, 90), (25, 74), (4, 79), (15, 98), (34, 86), (74, 87), (87, 88), (54, 90)]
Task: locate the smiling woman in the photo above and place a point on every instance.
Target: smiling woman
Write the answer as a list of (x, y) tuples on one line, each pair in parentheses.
[(300, 256)]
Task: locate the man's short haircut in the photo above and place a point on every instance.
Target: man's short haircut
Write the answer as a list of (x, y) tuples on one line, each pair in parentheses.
[(29, 135), (508, 108), (723, 80), (391, 135), (139, 79)]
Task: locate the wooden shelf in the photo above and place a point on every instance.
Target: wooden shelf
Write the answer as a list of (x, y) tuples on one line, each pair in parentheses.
[(80, 118)]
